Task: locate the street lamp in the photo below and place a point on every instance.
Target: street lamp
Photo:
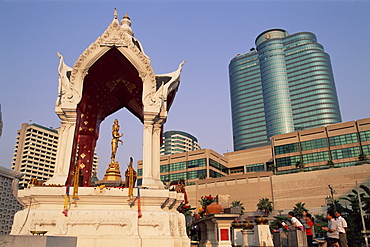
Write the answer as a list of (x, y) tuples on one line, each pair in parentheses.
[(329, 200), (332, 192)]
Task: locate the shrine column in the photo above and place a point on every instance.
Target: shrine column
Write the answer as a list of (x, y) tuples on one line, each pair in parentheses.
[(156, 162), (64, 151)]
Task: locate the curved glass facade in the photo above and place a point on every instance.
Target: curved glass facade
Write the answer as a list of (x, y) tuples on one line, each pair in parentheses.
[(285, 85)]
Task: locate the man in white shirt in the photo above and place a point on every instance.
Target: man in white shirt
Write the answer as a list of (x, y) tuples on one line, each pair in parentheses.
[(295, 222), (332, 234), (342, 229)]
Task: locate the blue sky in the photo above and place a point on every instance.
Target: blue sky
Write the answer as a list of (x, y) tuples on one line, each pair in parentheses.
[(208, 34)]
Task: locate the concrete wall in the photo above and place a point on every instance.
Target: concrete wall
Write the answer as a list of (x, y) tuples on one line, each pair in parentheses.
[(285, 191)]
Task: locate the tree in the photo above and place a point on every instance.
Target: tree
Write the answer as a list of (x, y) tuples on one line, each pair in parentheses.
[(298, 209), (330, 164), (264, 204), (272, 168), (363, 158), (353, 217), (322, 221), (300, 164)]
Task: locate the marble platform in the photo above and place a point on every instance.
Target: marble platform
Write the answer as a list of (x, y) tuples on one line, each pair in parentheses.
[(104, 217)]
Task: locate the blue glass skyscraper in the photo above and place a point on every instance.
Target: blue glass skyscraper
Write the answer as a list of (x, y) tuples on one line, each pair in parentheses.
[(284, 85)]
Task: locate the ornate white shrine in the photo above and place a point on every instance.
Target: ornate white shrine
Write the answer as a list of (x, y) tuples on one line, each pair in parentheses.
[(112, 73)]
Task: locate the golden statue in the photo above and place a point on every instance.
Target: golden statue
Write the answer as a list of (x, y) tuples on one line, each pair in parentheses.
[(116, 135), (130, 175), (113, 172)]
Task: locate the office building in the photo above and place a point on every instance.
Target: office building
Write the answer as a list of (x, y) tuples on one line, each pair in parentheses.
[(190, 166), (207, 172), (284, 85), (336, 145), (35, 153), (177, 142), (339, 143), (9, 204), (330, 155)]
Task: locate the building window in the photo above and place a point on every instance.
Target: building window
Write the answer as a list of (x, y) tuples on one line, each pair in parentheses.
[(178, 166), (365, 136), (139, 182), (256, 167), (343, 139), (239, 169), (139, 172), (345, 153), (287, 161), (164, 168), (214, 174), (366, 149), (196, 163), (165, 178), (217, 165), (177, 176), (289, 148), (313, 144), (196, 174), (315, 157)]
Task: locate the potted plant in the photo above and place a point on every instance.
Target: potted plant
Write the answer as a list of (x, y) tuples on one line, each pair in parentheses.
[(237, 207), (209, 204)]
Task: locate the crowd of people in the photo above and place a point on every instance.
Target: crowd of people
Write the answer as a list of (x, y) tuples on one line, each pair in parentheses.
[(335, 231)]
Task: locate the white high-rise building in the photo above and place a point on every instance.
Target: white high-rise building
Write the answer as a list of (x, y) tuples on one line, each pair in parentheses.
[(175, 142), (35, 153)]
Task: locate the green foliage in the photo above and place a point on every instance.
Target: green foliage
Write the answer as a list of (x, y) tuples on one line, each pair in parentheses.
[(362, 157), (300, 164), (272, 168), (185, 210), (277, 219), (202, 176), (338, 206), (330, 163), (264, 204), (322, 221), (353, 217), (238, 204), (298, 209)]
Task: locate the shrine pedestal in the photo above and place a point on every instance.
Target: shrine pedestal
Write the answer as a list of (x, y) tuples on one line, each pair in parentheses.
[(263, 236), (248, 238), (215, 229), (104, 217), (297, 238)]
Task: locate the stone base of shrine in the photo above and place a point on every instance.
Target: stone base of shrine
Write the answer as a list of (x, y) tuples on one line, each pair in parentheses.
[(104, 217), (37, 241)]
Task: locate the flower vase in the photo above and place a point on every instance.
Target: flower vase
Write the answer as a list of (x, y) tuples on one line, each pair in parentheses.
[(214, 208)]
